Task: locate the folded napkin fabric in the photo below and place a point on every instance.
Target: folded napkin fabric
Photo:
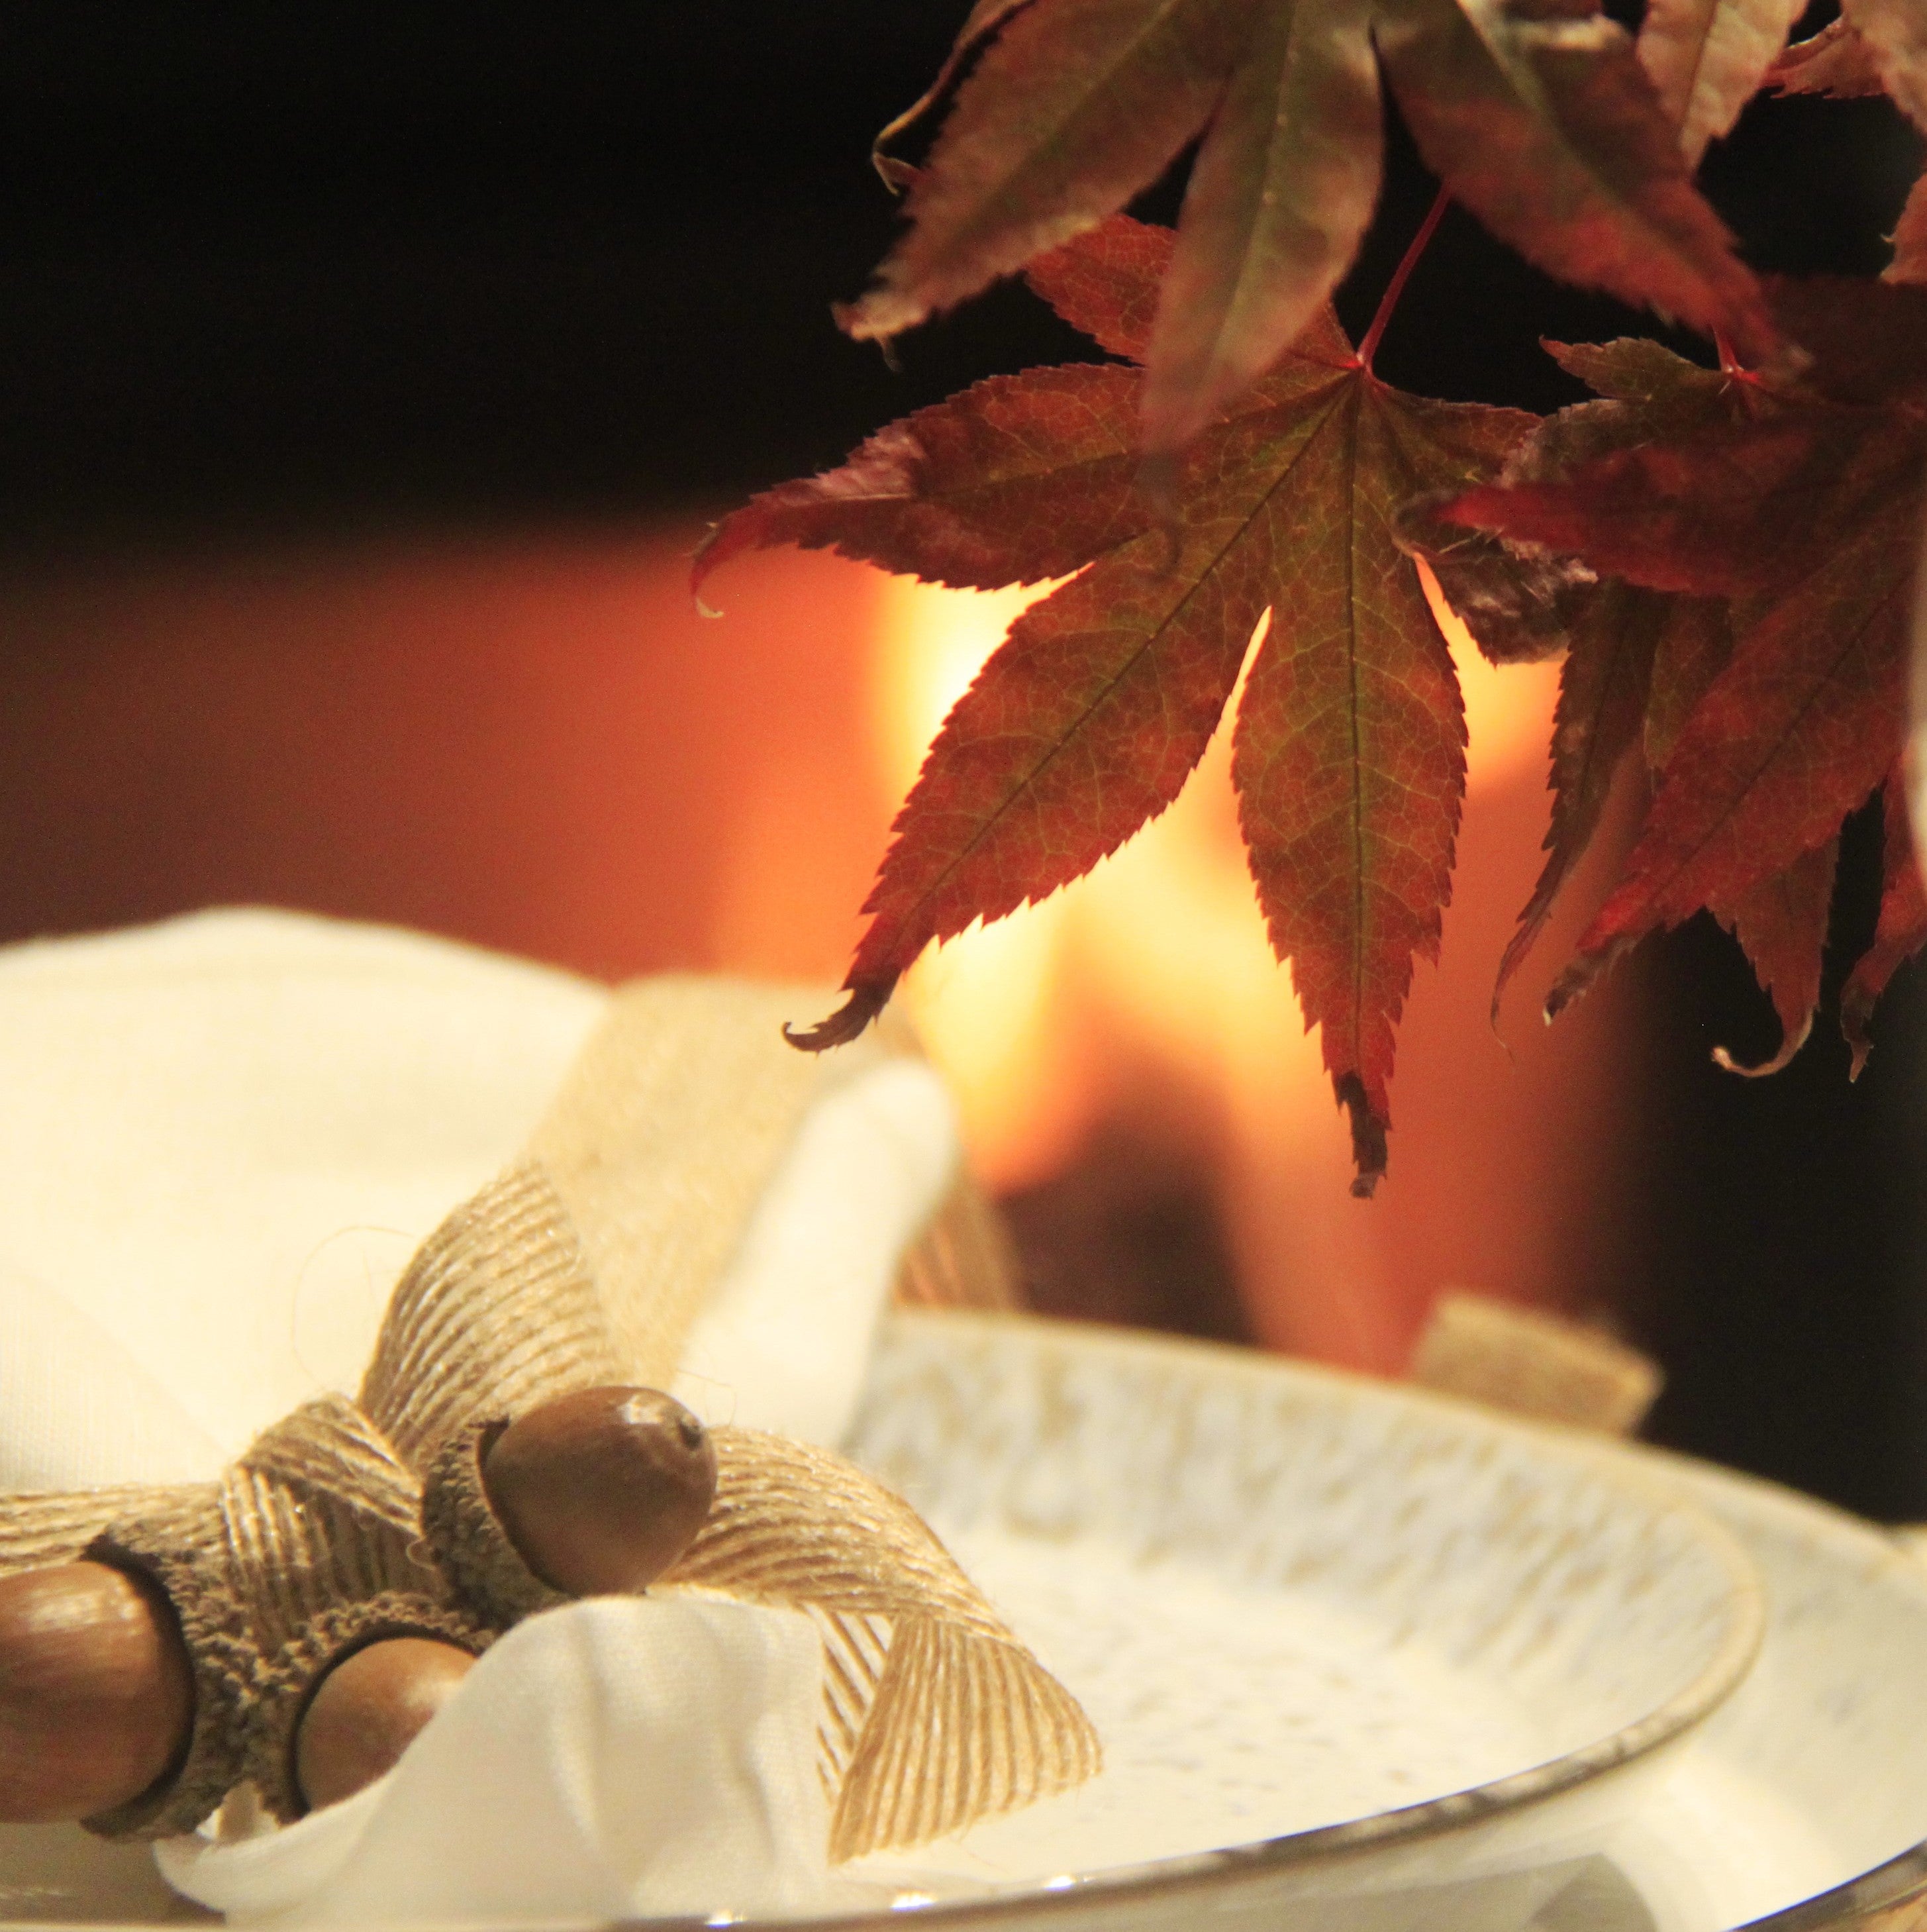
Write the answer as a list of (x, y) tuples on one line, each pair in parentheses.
[(224, 1136), (619, 1758)]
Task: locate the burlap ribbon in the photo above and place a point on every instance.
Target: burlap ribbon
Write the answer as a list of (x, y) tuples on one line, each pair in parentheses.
[(586, 1264)]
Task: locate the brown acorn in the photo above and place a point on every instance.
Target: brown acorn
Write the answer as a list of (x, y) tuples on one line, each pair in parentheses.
[(368, 1709), (96, 1693), (601, 1491)]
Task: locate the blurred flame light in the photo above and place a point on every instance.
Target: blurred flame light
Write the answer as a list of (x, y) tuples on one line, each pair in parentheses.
[(1150, 982), (718, 799), (1165, 935)]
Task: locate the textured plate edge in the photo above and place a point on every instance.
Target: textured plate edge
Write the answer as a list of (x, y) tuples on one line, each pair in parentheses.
[(1262, 1858)]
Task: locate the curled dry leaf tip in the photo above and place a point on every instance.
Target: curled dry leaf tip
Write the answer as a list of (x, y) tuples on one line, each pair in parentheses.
[(1368, 1132), (1589, 966), (867, 999), (1728, 1062), (700, 565), (1566, 989)]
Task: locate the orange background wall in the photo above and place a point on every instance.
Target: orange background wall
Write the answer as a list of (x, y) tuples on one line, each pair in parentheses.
[(536, 743)]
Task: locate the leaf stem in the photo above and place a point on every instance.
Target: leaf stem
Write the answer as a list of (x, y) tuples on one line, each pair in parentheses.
[(1368, 345)]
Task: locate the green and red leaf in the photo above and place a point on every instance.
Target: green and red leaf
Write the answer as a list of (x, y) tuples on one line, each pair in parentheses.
[(1768, 721), (1350, 752), (1014, 481), (1073, 107), (1781, 925), (1280, 195), (1106, 282), (1604, 686), (1537, 114), (1629, 369), (1691, 515), (1694, 647), (1349, 762), (1792, 734), (1902, 928), (1084, 725), (1540, 119), (981, 25)]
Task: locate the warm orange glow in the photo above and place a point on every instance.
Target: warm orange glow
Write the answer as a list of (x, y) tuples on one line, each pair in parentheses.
[(1150, 984), (1507, 708), (541, 746), (986, 1003)]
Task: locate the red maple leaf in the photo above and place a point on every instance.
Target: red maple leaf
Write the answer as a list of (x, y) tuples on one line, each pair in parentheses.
[(1629, 650), (1350, 746), (1893, 35), (1781, 925), (1902, 929), (1537, 115), (1909, 238), (1707, 59), (1876, 46), (1803, 510), (1834, 61)]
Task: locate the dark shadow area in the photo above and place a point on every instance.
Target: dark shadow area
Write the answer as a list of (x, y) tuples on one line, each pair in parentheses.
[(1786, 1280), (1126, 1234), (355, 265)]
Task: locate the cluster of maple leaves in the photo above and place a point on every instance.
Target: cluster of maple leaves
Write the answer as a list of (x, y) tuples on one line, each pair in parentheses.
[(1726, 557)]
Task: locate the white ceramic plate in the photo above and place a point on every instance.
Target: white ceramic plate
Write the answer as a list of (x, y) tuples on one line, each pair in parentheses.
[(1804, 1800), (1804, 1796), (1394, 1641)]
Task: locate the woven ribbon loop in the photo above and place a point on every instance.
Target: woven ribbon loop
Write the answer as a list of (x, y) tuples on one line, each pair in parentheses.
[(584, 1264)]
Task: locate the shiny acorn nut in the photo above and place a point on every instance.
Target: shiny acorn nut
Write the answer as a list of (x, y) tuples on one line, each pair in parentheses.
[(96, 1693), (601, 1491), (368, 1709)]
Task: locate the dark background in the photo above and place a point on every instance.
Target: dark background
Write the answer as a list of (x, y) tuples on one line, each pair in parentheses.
[(340, 269)]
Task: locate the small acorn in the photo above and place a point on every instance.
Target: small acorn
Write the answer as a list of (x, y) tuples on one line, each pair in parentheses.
[(368, 1709), (601, 1491), (96, 1693)]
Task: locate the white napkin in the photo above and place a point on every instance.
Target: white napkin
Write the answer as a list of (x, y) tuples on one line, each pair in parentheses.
[(224, 1137), (614, 1759)]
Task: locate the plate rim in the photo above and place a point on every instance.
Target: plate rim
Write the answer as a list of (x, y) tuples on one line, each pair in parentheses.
[(1717, 1680)]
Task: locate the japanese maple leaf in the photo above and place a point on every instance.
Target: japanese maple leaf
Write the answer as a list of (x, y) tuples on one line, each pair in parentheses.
[(1629, 650), (1836, 61), (1537, 115), (1910, 238), (1349, 757), (1781, 925), (1805, 514), (1902, 929), (1707, 59), (1894, 34)]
